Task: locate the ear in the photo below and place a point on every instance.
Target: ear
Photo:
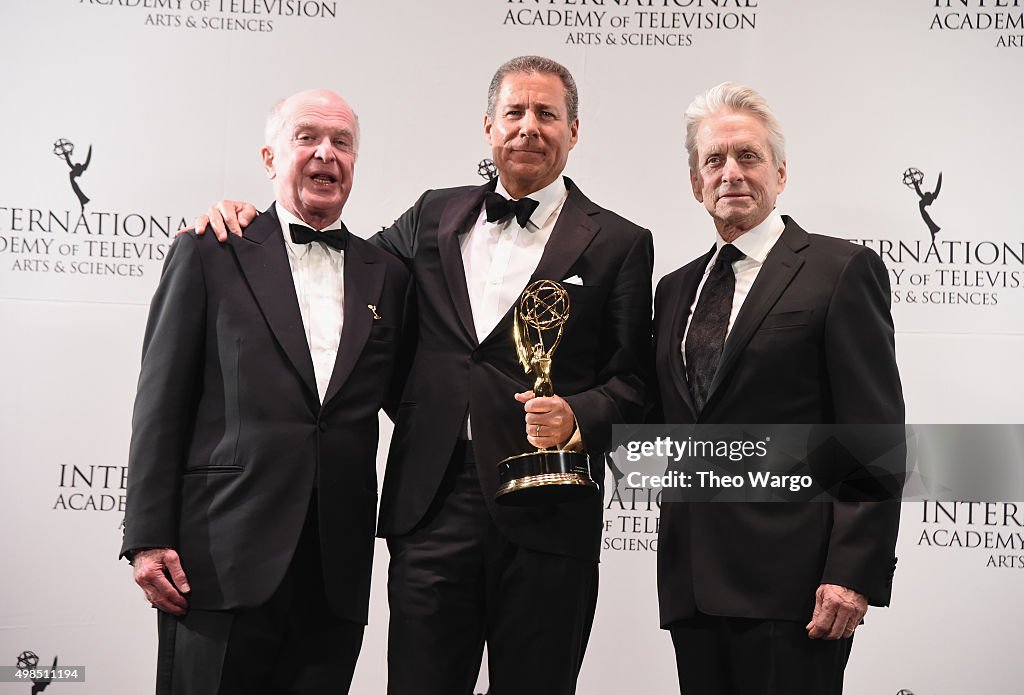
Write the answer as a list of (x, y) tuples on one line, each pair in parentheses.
[(697, 185), (574, 133), (488, 125), (268, 161), (782, 176)]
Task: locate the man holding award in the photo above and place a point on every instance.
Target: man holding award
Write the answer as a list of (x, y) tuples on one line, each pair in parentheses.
[(466, 570)]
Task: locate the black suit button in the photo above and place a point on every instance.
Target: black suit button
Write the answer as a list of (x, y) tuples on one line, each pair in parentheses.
[(322, 426), (477, 357)]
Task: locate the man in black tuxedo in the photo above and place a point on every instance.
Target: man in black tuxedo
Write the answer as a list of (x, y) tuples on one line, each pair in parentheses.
[(773, 325), (252, 478), (465, 571)]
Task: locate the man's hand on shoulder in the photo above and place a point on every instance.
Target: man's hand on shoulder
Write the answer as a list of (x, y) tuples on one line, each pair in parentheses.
[(226, 216), (158, 571), (838, 611)]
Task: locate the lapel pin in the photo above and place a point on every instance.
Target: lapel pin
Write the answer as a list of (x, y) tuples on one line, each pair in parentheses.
[(373, 308)]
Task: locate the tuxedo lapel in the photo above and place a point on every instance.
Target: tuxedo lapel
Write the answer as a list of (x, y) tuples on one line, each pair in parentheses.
[(779, 269), (680, 313), (570, 237), (364, 281), (264, 263), (457, 214)]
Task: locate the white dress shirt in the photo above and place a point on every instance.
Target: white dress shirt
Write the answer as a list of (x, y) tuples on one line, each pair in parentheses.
[(755, 245), (500, 257), (318, 272)]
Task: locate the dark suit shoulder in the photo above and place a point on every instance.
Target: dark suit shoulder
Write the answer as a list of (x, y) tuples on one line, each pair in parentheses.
[(440, 196), (826, 251), (835, 246), (842, 258), (607, 217), (620, 222), (187, 246), (672, 280), (373, 253)]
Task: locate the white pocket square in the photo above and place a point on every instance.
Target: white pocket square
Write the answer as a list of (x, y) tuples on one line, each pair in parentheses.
[(574, 280)]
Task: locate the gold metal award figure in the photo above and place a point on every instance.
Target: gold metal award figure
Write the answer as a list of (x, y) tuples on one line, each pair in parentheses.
[(544, 475)]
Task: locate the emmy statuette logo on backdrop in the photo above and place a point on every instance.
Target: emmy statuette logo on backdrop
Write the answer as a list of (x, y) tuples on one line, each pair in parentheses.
[(486, 169), (29, 661), (63, 149), (912, 178)]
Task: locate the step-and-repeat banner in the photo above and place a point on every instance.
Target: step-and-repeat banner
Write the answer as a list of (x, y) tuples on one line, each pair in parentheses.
[(122, 119)]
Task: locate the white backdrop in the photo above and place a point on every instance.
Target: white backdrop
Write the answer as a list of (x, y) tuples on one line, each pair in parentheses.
[(170, 96)]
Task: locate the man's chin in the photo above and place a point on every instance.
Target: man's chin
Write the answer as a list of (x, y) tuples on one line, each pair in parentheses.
[(320, 210)]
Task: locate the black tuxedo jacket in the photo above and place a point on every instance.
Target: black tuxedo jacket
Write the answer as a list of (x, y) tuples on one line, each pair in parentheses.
[(229, 438), (597, 368), (813, 343)]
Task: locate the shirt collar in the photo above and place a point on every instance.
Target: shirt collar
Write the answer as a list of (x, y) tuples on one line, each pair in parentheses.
[(549, 200), (286, 218), (757, 242)]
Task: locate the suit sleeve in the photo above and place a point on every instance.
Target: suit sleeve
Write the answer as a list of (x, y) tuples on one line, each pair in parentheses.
[(400, 238), (165, 404), (407, 342), (619, 394), (865, 382), (654, 411)]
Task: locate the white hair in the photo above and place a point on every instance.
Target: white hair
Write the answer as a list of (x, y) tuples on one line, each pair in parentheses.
[(729, 96)]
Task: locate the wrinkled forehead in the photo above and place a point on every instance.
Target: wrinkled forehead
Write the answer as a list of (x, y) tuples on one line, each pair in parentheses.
[(732, 130), (534, 87), (320, 113)]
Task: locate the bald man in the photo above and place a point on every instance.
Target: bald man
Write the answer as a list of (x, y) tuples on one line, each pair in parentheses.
[(252, 471)]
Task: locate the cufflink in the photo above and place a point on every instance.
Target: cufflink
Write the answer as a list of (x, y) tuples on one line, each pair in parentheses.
[(373, 309)]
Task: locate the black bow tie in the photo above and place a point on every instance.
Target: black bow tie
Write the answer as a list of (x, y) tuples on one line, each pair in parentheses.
[(335, 238), (499, 207)]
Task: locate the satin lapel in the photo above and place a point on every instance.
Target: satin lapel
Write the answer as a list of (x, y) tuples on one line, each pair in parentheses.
[(680, 313), (264, 262), (779, 269), (573, 232), (570, 237), (459, 212), (364, 281)]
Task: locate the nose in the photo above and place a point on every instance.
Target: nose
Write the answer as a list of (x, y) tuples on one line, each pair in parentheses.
[(324, 150), (731, 170), (528, 124)]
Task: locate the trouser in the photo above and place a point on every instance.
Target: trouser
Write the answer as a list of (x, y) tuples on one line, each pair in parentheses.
[(291, 644), (456, 582), (743, 656)]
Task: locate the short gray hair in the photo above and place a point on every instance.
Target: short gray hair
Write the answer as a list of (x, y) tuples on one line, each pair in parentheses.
[(275, 122), (535, 64), (729, 96)]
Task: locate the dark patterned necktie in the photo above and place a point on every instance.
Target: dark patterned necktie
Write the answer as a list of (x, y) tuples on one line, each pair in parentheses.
[(335, 238), (498, 207), (706, 337)]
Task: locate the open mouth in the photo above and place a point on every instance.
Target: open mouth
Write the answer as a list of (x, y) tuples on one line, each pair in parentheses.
[(324, 179)]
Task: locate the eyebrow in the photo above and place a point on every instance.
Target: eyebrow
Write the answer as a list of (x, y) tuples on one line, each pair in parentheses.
[(304, 125), (518, 105), (718, 148)]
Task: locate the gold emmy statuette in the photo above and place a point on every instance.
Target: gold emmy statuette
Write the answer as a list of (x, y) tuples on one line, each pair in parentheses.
[(545, 475)]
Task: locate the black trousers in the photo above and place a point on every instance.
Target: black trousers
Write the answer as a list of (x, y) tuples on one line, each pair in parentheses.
[(291, 644), (456, 582), (742, 656)]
